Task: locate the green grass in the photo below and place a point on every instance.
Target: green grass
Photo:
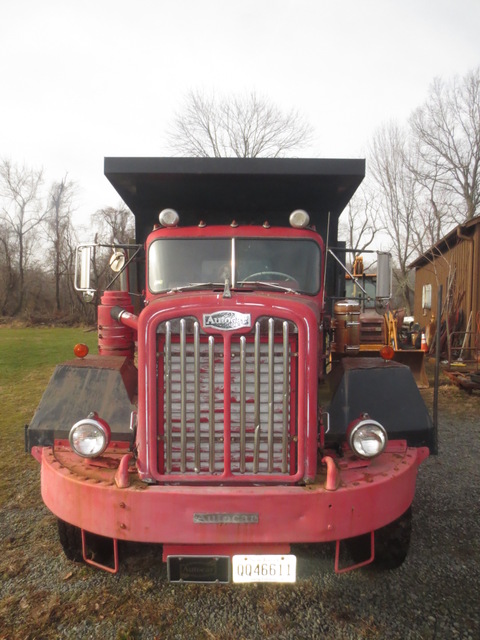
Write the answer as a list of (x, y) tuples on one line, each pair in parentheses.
[(27, 359)]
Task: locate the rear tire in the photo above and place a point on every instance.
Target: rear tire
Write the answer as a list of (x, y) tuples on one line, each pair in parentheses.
[(391, 544)]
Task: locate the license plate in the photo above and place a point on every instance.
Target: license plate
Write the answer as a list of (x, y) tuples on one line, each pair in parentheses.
[(264, 568)]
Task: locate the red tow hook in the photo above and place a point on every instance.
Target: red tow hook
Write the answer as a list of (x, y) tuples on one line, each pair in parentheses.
[(333, 476), (121, 476)]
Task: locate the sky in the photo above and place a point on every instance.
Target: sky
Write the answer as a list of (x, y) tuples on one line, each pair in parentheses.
[(85, 79)]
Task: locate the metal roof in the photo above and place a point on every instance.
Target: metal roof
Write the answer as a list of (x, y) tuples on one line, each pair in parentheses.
[(453, 237), (249, 190)]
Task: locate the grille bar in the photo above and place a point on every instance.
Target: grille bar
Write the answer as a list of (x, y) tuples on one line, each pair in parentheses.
[(242, 402), (168, 395), (183, 395), (196, 342), (271, 362), (286, 389), (211, 404), (256, 454)]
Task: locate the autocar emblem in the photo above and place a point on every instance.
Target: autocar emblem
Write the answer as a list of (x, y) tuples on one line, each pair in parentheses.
[(226, 320), (225, 518)]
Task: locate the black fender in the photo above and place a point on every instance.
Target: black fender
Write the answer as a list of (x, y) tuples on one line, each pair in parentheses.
[(106, 385), (387, 391)]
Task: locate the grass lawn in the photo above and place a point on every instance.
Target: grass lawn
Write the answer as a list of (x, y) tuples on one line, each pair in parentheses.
[(27, 359)]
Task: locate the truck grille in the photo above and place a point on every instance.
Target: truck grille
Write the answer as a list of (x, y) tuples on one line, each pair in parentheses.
[(227, 403)]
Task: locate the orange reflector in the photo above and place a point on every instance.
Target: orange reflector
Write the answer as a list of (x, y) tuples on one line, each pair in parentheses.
[(387, 352), (80, 350)]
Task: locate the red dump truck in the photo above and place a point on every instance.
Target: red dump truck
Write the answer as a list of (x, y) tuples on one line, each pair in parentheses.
[(207, 422)]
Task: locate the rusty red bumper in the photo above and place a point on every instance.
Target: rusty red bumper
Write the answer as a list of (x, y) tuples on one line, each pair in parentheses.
[(360, 497)]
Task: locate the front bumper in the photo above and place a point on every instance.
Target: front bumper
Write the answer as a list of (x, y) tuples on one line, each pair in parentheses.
[(366, 496)]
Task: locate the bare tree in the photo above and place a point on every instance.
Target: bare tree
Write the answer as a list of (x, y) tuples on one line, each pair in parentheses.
[(447, 134), (59, 231), (114, 224), (360, 222), (242, 126), (8, 275), (399, 192), (435, 207), (21, 213)]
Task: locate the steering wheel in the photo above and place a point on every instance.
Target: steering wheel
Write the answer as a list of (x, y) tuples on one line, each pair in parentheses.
[(255, 276)]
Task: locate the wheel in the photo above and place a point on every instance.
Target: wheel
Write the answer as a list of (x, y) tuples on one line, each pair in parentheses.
[(99, 548), (252, 276), (71, 540), (391, 544)]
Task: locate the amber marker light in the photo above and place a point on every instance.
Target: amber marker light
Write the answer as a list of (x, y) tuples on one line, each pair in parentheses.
[(80, 350), (387, 352)]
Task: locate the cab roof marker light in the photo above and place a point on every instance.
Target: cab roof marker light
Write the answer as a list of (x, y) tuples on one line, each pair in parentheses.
[(168, 218), (299, 219)]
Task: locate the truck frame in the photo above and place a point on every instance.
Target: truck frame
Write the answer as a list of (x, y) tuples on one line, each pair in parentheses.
[(206, 423)]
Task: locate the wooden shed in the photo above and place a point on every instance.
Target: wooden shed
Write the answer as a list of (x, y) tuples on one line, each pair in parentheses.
[(453, 262)]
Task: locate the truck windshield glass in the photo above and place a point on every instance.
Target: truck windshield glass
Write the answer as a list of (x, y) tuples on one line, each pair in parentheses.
[(247, 263)]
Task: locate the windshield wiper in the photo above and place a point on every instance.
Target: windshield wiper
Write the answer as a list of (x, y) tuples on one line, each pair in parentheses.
[(191, 286), (196, 285), (273, 285)]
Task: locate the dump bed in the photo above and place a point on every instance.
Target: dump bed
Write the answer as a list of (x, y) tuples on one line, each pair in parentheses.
[(249, 190)]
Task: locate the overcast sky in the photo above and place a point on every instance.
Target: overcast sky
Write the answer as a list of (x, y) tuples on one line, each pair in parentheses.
[(85, 79)]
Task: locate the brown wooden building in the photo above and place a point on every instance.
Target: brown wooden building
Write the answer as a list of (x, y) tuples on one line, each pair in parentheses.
[(453, 262)]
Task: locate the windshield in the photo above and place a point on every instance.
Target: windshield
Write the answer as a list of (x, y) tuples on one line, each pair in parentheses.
[(245, 262)]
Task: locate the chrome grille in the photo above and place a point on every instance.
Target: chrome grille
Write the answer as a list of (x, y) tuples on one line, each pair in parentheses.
[(209, 426)]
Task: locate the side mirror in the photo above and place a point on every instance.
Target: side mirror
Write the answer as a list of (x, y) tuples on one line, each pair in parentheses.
[(82, 272), (384, 276), (117, 261)]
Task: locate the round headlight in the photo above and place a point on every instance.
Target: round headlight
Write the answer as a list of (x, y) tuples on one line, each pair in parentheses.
[(89, 437), (367, 438)]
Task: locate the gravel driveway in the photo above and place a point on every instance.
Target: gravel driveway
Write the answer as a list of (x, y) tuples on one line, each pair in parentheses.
[(435, 594)]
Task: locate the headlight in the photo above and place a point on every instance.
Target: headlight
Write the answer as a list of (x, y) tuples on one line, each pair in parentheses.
[(367, 438), (89, 437)]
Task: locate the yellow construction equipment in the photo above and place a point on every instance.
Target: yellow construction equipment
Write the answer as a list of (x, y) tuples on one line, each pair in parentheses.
[(413, 358), (377, 330)]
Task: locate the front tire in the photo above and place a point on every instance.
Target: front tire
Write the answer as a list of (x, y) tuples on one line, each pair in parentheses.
[(391, 544), (99, 548), (71, 540)]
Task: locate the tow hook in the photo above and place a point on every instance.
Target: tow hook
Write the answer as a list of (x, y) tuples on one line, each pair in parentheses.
[(333, 476)]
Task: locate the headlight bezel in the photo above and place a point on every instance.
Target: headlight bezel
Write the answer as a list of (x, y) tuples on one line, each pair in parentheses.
[(98, 429), (363, 432)]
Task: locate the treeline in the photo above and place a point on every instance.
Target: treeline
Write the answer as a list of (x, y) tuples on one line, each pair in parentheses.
[(38, 242)]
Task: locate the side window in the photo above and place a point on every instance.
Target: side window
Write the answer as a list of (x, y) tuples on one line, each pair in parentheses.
[(427, 296)]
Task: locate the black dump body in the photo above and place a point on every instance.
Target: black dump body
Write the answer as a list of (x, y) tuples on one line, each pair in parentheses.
[(249, 190)]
